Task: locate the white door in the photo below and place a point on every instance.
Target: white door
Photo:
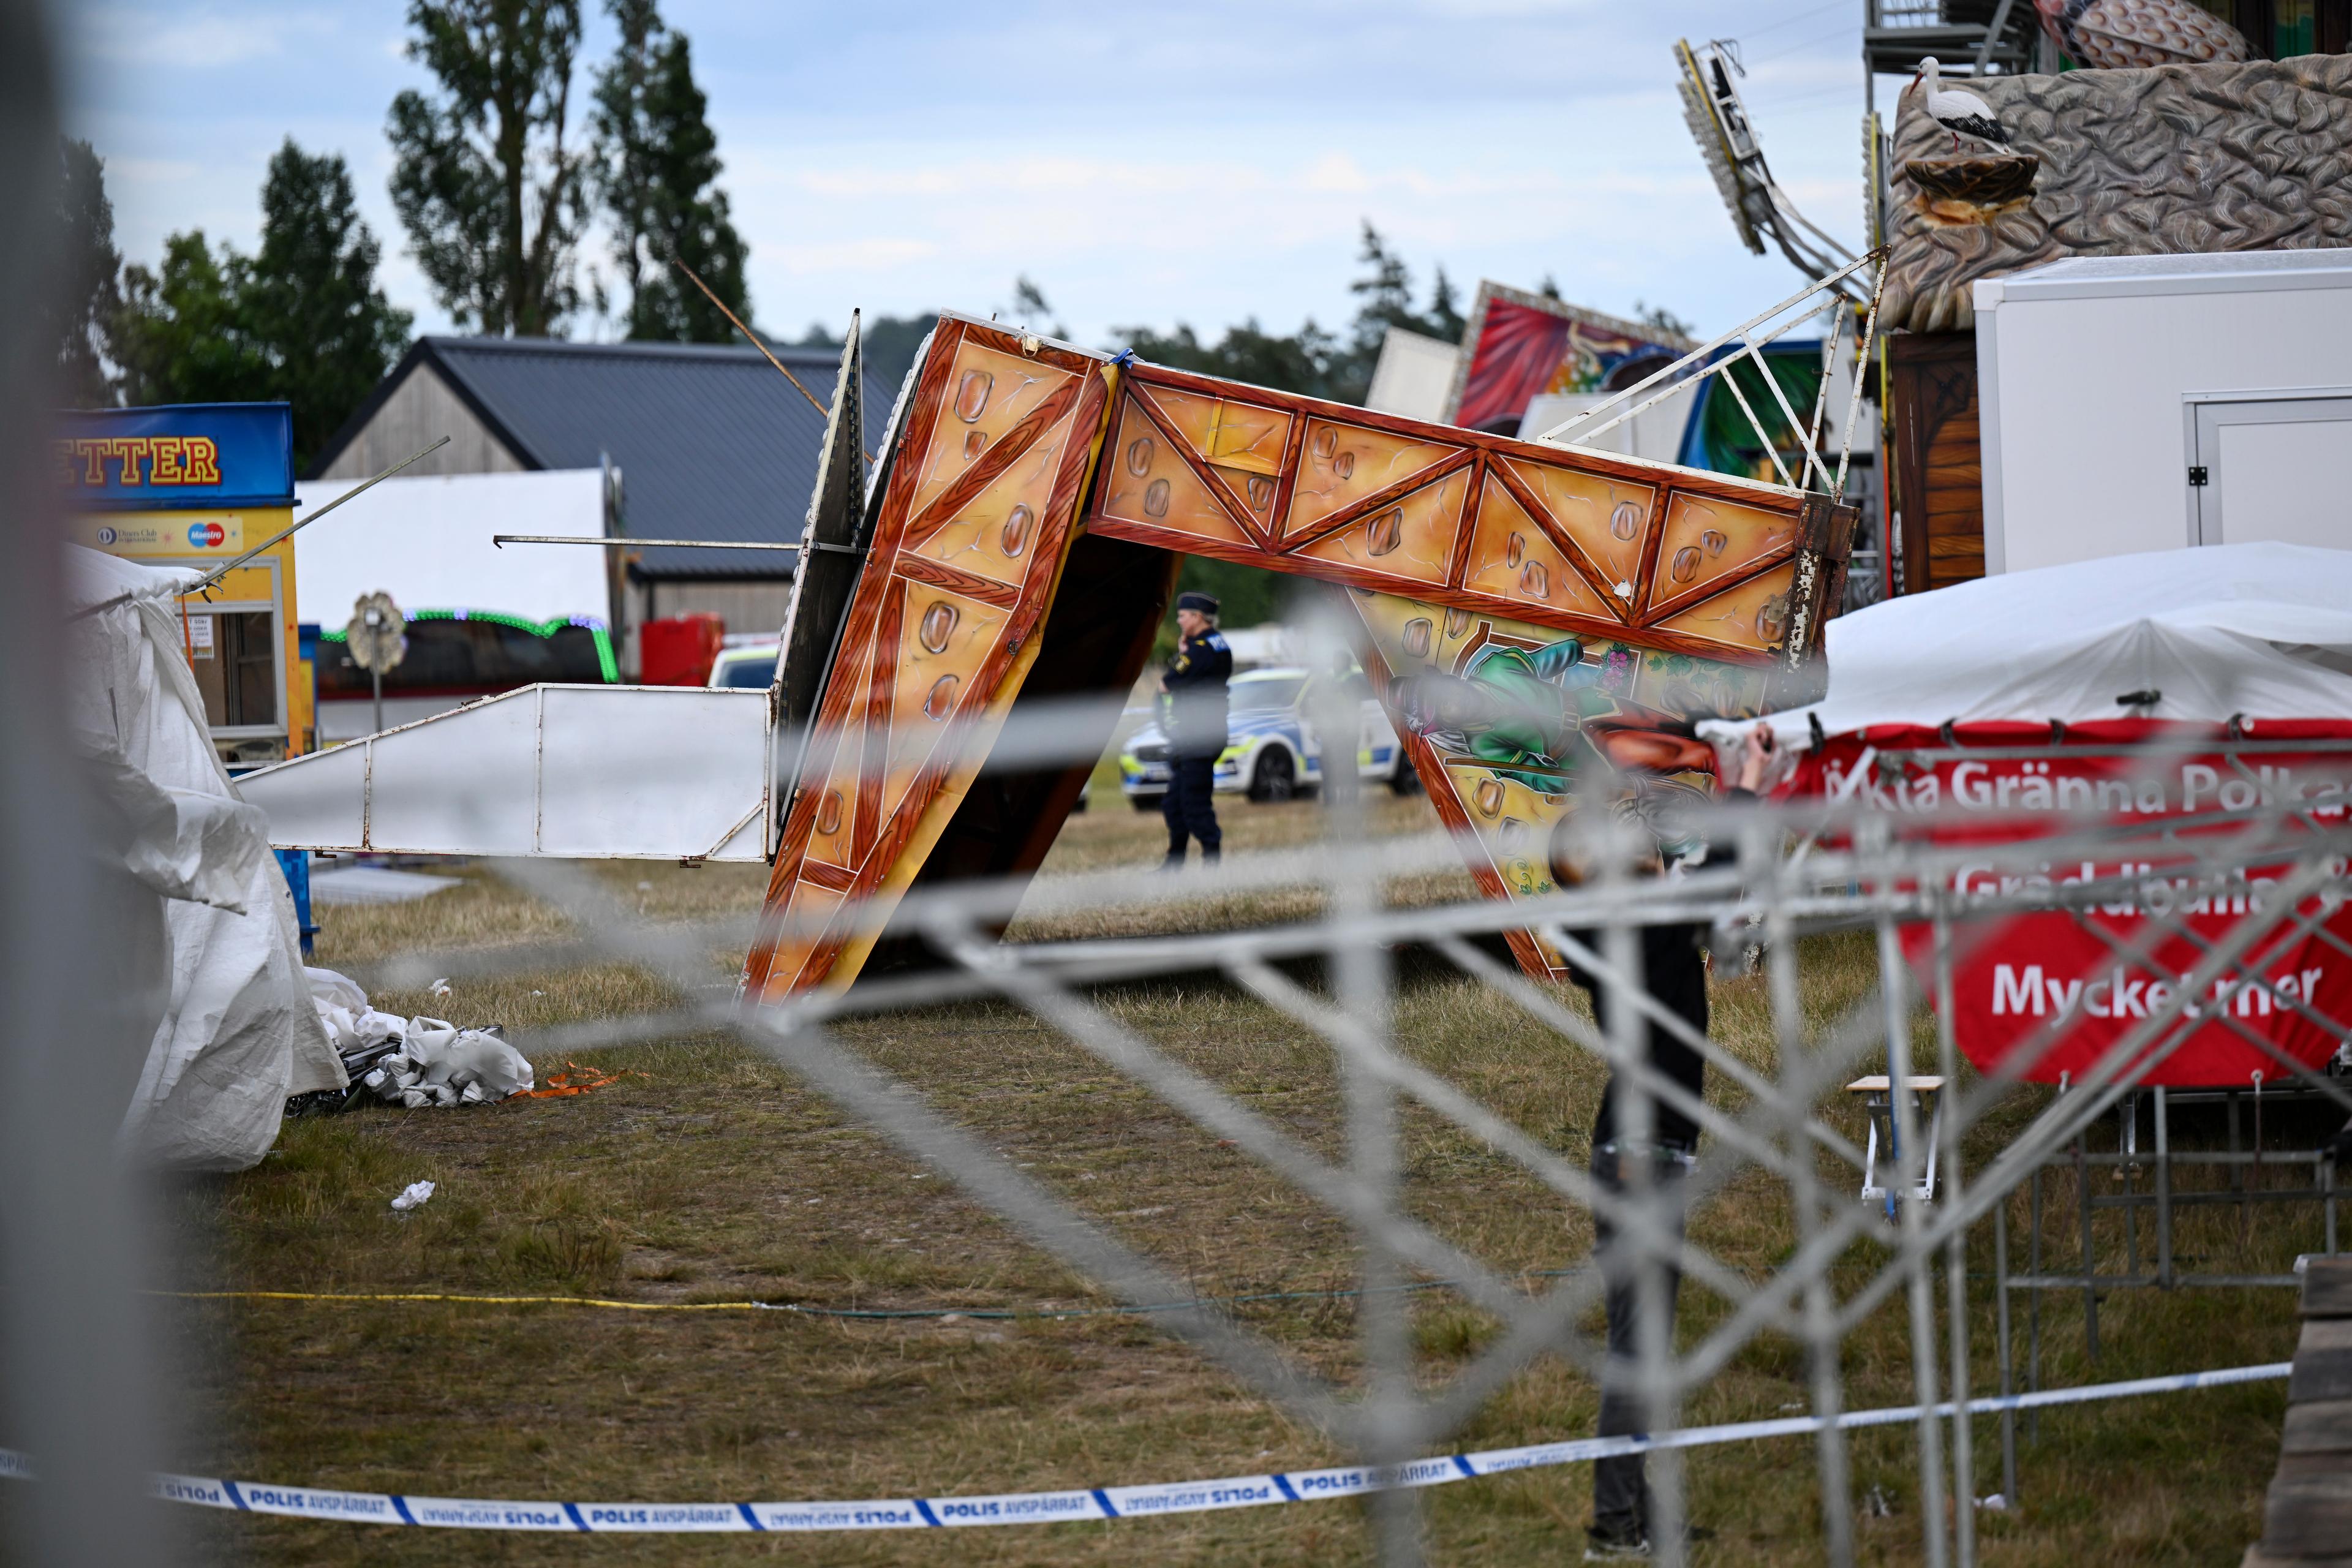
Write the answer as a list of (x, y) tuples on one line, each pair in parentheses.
[(2272, 469)]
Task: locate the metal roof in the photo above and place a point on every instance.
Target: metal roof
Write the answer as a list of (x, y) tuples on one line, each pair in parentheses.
[(710, 441)]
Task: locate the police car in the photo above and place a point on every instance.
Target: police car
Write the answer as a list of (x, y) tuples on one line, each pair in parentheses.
[(1272, 752)]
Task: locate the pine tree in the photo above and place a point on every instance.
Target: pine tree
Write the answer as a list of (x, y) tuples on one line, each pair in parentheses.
[(302, 322), (312, 300), (1444, 318), (85, 217), (493, 194), (1386, 293), (659, 169), (1661, 321)]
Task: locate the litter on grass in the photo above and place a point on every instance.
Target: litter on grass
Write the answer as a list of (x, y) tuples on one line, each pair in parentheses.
[(415, 1062), (413, 1196), (576, 1079)]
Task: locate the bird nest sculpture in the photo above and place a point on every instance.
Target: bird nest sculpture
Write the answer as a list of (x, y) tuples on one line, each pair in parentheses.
[(1971, 190), (2165, 161)]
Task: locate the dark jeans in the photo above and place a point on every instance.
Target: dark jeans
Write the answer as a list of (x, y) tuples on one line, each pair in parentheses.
[(1190, 807), (1674, 975), (1621, 1486)]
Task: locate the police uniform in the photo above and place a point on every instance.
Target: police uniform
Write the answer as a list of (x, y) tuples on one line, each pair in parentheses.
[(1195, 684)]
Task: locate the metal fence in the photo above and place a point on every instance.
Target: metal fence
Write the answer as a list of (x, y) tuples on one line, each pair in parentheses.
[(1882, 1223)]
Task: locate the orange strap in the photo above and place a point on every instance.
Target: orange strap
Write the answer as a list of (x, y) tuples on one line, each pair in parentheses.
[(576, 1079)]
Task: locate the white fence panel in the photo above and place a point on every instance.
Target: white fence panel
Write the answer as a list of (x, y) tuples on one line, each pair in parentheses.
[(653, 772)]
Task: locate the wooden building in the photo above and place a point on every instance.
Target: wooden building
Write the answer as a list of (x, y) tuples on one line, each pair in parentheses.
[(704, 441), (2168, 161)]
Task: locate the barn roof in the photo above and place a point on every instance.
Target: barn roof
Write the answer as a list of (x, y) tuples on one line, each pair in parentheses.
[(710, 441), (2173, 160)]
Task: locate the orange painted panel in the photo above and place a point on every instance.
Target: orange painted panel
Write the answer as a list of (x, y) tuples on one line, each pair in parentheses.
[(1607, 518), (835, 808), (994, 533), (988, 393), (1410, 542), (1512, 559), (1231, 435), (1255, 491), (1144, 480), (939, 635), (805, 919), (943, 640), (1708, 541), (941, 630), (1343, 464), (1591, 526), (1749, 615)]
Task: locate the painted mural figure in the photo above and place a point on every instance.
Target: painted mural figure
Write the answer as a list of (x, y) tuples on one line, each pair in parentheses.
[(1534, 715)]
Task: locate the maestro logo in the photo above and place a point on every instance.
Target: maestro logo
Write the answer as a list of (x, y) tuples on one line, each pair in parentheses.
[(207, 535)]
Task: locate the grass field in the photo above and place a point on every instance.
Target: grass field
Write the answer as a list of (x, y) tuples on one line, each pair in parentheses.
[(709, 1175)]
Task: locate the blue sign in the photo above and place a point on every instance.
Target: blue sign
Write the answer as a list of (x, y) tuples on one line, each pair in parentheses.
[(182, 456)]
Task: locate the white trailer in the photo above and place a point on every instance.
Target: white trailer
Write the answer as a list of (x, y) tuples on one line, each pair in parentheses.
[(2154, 402)]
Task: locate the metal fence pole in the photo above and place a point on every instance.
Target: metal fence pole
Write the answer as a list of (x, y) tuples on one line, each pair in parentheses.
[(1908, 1164), (83, 964), (1956, 1253), (1822, 1345)]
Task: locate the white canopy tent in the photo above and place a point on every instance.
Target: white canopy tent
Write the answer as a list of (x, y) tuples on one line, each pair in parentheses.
[(2263, 630), (238, 1033), (426, 541)]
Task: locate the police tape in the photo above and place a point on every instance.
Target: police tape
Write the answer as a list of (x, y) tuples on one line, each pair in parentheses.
[(1087, 1503)]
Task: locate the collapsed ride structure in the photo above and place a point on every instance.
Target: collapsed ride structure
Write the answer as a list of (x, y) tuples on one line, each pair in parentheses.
[(1524, 609)]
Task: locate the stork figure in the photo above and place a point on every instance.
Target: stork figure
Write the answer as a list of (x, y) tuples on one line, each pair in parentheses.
[(1961, 113)]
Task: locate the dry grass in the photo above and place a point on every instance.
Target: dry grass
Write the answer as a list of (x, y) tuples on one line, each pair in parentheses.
[(710, 1174)]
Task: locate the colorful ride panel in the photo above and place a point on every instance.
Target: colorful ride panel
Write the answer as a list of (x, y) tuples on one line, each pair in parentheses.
[(1584, 541), (1627, 599), (974, 518)]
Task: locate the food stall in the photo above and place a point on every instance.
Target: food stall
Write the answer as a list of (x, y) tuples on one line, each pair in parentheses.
[(195, 485)]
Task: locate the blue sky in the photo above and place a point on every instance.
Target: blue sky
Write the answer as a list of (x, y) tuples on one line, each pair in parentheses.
[(1191, 160)]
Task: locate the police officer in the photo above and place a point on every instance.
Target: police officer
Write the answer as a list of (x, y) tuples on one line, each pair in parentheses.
[(1194, 688)]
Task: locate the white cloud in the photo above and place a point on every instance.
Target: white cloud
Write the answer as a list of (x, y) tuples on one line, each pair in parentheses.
[(852, 255), (1201, 159)]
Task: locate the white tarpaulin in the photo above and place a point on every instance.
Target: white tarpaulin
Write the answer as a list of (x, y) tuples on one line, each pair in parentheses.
[(239, 1034), (2265, 630), (426, 541)]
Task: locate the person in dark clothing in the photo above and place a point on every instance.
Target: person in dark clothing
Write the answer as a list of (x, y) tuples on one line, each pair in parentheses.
[(1674, 972), (1193, 694)]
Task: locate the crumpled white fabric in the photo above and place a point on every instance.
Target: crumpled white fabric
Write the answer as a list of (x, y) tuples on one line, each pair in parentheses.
[(436, 1062), (238, 1035)]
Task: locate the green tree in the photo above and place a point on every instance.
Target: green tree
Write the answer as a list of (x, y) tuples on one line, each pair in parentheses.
[(1313, 362), (1031, 312), (302, 321), (493, 194), (1658, 319), (85, 218), (1387, 295), (1310, 361), (659, 171), (184, 333), (311, 302)]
